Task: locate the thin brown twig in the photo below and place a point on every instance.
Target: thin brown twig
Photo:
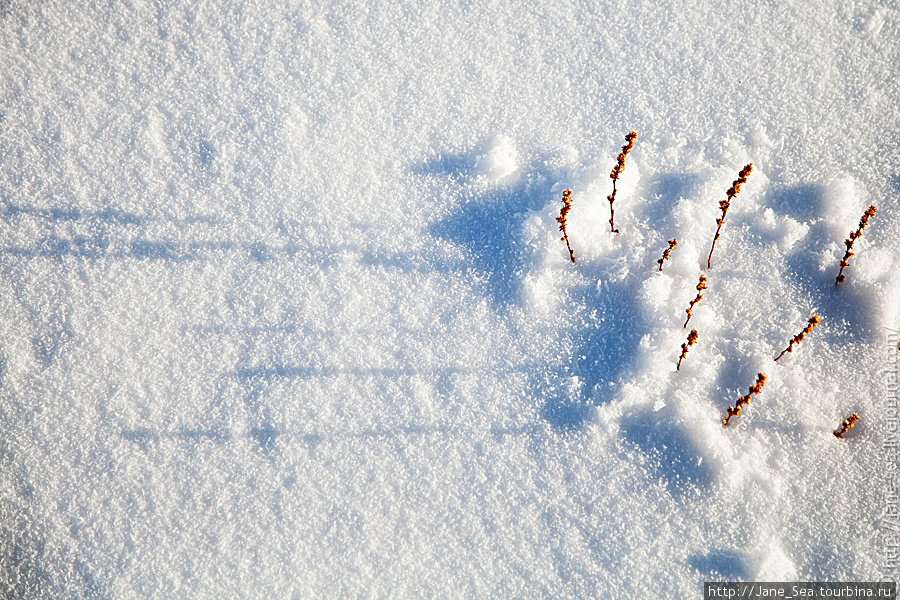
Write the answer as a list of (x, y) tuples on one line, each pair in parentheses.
[(743, 400), (690, 309), (813, 321), (691, 340), (672, 244), (614, 175), (726, 204), (561, 219), (849, 242)]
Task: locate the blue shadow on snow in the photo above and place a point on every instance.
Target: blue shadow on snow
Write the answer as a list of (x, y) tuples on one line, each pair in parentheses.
[(605, 350), (488, 228), (486, 223), (670, 452), (720, 565)]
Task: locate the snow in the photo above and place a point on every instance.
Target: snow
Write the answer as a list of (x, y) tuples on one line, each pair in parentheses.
[(285, 311)]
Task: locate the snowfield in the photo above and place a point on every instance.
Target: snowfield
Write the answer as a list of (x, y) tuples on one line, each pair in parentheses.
[(285, 312)]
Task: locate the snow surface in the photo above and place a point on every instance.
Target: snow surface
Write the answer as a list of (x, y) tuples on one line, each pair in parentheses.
[(285, 312)]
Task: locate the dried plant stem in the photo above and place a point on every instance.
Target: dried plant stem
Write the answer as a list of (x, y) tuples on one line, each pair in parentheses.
[(691, 340), (561, 219), (847, 425), (853, 237), (813, 321), (614, 175), (690, 309), (743, 400), (672, 244), (726, 204)]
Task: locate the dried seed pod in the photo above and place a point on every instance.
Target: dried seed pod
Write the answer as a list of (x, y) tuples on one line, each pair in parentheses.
[(854, 235), (813, 321), (743, 400), (561, 219), (846, 425), (672, 244), (614, 175), (726, 204), (691, 340), (690, 309)]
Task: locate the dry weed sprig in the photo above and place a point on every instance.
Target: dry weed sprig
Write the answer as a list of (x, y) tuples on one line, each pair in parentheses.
[(726, 204), (561, 219), (847, 425), (672, 244), (691, 340), (853, 237), (690, 309), (614, 175), (813, 321), (754, 389)]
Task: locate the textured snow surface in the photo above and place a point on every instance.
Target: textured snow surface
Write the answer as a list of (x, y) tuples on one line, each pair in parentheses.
[(284, 311)]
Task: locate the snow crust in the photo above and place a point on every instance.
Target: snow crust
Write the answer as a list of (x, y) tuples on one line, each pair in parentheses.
[(285, 311)]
